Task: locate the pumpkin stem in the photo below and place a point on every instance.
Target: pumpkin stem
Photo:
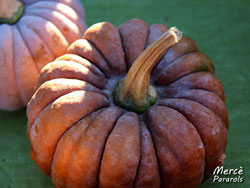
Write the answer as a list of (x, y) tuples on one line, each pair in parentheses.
[(135, 92), (10, 11)]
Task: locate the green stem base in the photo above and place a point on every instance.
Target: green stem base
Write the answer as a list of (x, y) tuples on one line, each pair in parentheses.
[(16, 16), (130, 106)]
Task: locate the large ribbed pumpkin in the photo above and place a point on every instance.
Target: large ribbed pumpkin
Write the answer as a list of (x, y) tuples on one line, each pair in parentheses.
[(32, 34), (168, 128)]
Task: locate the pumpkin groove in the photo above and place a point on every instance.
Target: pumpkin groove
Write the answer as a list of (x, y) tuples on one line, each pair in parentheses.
[(61, 8), (216, 136), (25, 69), (28, 48), (8, 73)]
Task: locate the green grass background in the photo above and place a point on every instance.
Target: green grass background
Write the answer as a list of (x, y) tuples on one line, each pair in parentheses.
[(221, 29)]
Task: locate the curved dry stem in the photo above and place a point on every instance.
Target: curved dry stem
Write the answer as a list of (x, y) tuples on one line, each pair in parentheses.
[(135, 88)]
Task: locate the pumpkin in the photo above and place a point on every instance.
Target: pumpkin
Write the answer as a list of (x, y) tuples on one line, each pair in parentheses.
[(32, 34), (162, 124)]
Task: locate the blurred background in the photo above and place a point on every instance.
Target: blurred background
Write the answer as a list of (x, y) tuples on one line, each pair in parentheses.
[(220, 28)]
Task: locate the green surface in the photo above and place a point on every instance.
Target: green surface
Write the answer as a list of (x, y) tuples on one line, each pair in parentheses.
[(220, 28)]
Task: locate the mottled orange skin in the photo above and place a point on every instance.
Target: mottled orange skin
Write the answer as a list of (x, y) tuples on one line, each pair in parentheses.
[(43, 33), (82, 139)]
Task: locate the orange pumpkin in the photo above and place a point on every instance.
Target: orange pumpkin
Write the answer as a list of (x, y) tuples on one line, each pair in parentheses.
[(91, 124), (32, 34)]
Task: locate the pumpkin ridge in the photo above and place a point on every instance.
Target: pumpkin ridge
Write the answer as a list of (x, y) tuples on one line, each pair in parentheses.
[(130, 32), (78, 50), (32, 120), (34, 52), (84, 138), (154, 32), (40, 149), (31, 123), (82, 124), (57, 35), (76, 5), (194, 101), (13, 66), (172, 54), (85, 67), (137, 169), (196, 64), (41, 38), (182, 81), (28, 48), (63, 69), (204, 136), (125, 144), (154, 145), (79, 123), (53, 173), (123, 49), (57, 21), (99, 170), (84, 62), (103, 30), (170, 149), (95, 113), (50, 5), (54, 25), (143, 129), (138, 165), (102, 55), (157, 131), (22, 85), (63, 96), (222, 112), (176, 90)]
